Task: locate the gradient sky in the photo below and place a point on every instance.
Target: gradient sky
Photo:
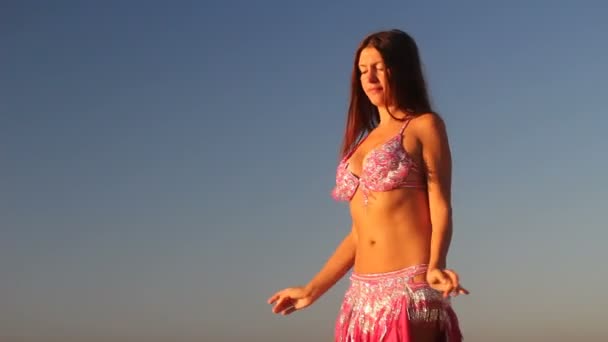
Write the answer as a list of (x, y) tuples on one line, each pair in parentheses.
[(166, 165)]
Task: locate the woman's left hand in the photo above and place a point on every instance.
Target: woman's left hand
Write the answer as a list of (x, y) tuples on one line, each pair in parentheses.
[(445, 281)]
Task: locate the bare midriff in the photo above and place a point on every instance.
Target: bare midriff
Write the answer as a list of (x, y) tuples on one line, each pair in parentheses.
[(392, 231)]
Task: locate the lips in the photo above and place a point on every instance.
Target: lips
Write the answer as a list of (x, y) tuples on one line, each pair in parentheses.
[(375, 90)]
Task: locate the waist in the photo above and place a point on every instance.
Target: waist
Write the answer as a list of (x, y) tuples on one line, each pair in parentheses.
[(407, 273)]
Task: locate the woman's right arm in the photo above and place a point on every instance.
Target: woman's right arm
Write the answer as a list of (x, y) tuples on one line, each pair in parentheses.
[(335, 268)]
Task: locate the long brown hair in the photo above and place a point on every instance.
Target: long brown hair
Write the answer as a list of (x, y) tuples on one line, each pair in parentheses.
[(407, 85)]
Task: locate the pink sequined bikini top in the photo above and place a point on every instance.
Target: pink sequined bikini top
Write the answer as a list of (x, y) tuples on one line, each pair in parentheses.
[(386, 167)]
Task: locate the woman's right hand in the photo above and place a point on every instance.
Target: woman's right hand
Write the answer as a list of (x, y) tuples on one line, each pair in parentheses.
[(291, 299)]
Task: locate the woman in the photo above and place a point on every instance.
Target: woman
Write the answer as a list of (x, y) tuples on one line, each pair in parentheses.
[(395, 172)]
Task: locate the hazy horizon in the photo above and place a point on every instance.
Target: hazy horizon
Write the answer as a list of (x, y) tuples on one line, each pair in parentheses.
[(167, 166)]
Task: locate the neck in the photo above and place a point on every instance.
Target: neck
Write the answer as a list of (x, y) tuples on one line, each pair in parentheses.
[(386, 118)]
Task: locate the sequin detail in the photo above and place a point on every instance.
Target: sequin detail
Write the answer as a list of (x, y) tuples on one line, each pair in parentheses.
[(383, 307), (384, 168)]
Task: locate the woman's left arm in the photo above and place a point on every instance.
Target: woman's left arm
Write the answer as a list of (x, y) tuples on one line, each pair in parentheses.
[(437, 159), (438, 163)]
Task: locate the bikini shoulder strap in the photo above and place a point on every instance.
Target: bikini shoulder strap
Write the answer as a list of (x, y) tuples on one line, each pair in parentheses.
[(407, 121)]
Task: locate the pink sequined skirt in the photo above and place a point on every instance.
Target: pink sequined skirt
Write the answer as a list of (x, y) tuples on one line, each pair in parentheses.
[(387, 306)]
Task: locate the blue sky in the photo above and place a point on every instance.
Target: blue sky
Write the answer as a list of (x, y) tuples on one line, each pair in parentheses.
[(166, 166)]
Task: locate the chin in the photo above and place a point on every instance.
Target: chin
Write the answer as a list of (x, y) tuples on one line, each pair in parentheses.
[(376, 101)]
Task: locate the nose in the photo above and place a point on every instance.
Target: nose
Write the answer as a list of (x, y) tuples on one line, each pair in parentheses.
[(371, 76)]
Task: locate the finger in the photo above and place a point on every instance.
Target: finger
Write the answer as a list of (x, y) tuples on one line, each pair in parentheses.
[(463, 291), (453, 277), (444, 289), (441, 277), (448, 288), (282, 304), (453, 288), (288, 311), (273, 298), (279, 305), (276, 296), (447, 291), (458, 291)]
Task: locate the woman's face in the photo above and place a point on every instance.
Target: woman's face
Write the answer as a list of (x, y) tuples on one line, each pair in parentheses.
[(373, 76)]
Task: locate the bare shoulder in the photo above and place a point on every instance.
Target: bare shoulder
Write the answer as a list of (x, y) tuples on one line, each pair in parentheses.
[(429, 123), (429, 129)]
